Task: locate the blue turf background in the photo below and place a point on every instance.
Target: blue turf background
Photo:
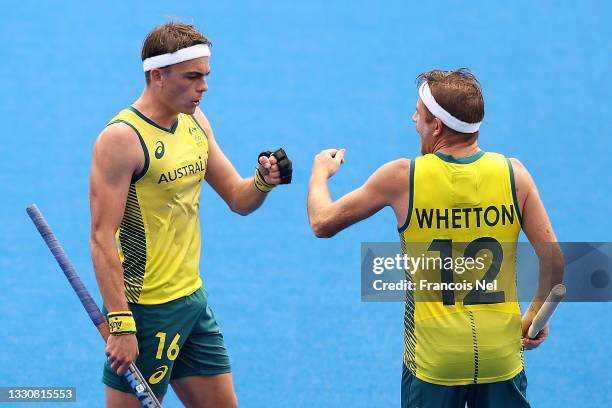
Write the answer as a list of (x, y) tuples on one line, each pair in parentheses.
[(306, 76)]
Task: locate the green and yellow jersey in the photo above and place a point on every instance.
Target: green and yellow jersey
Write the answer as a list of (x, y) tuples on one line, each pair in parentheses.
[(159, 237), (465, 208)]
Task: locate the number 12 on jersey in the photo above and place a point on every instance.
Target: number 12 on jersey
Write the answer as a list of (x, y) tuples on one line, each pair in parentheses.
[(475, 296)]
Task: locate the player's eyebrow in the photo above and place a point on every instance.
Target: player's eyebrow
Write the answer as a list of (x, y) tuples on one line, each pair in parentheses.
[(198, 73)]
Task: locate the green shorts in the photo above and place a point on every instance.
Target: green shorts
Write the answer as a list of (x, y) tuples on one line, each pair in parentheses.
[(175, 339), (511, 393)]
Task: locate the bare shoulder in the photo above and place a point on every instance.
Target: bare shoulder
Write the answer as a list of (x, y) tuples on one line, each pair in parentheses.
[(117, 135), (521, 174), (517, 165), (203, 121), (396, 169), (200, 116), (118, 145), (392, 177), (523, 183), (399, 164)]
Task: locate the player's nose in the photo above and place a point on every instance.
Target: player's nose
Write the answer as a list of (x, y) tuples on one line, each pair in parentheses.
[(202, 85)]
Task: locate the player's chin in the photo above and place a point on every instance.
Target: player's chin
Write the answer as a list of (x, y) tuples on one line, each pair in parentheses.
[(191, 107), (190, 110)]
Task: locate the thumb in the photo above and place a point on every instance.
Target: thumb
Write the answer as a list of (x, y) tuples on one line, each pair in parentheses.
[(265, 162), (339, 157)]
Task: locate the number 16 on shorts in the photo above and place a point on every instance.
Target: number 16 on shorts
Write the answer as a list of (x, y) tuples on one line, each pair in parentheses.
[(171, 353)]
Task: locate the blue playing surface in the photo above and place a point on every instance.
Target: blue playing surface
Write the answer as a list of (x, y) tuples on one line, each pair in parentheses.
[(307, 76)]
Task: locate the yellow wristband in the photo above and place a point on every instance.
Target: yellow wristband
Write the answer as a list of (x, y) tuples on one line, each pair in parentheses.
[(121, 323), (261, 184)]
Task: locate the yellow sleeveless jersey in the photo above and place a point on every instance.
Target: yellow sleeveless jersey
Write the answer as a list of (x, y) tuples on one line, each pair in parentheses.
[(462, 208), (159, 237)]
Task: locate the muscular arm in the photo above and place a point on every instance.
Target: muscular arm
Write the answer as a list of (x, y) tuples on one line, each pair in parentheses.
[(540, 233), (239, 194), (388, 185), (117, 156)]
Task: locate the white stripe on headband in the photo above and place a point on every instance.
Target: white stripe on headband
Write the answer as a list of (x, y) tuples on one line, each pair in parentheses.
[(184, 54), (440, 113)]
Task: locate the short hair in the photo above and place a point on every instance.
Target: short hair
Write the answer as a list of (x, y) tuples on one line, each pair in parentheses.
[(170, 37), (458, 92)]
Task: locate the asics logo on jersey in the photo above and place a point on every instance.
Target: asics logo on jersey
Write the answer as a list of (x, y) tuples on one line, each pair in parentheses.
[(160, 149)]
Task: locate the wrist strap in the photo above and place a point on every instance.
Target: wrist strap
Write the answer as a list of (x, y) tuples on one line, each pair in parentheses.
[(121, 323), (261, 184)]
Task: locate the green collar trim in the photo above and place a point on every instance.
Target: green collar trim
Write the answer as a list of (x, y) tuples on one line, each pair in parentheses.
[(460, 160), (150, 122)]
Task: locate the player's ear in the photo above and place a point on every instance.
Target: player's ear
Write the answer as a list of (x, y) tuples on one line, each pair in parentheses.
[(438, 127), (156, 77)]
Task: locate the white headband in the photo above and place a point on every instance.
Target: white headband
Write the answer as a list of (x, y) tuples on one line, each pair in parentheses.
[(446, 118), (184, 54)]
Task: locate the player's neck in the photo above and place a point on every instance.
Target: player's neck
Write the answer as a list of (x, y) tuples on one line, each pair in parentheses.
[(152, 108), (460, 149)]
